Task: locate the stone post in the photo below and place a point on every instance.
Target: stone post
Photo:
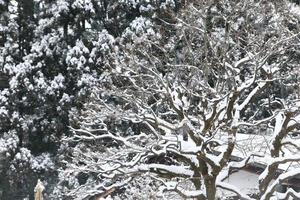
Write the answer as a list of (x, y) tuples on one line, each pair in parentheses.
[(38, 190)]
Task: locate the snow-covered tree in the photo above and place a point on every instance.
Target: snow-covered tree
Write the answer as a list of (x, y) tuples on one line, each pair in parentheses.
[(178, 96), (172, 84), (51, 55)]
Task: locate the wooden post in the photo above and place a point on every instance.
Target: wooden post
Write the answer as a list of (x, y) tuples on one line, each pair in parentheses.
[(38, 190)]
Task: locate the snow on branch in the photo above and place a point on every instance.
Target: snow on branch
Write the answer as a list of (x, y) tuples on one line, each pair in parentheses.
[(289, 193), (282, 177)]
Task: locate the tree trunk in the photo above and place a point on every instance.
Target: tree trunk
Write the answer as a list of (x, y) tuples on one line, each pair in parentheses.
[(3, 21), (210, 184), (25, 22)]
